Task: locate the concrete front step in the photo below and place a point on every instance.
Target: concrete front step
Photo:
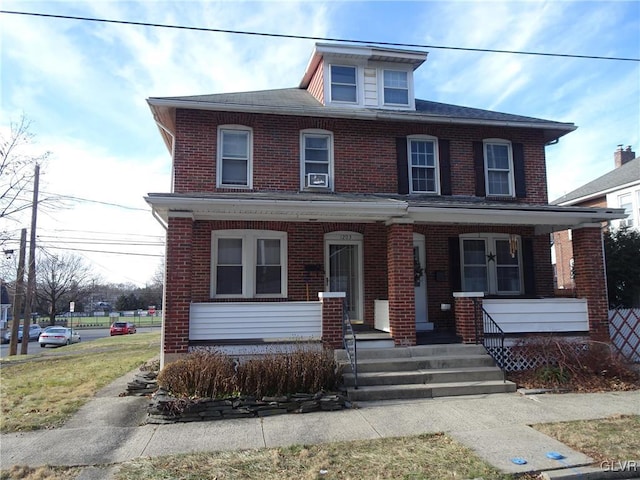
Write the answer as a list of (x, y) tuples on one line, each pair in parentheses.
[(429, 390), (437, 375), (373, 340), (415, 351), (420, 363), (423, 371)]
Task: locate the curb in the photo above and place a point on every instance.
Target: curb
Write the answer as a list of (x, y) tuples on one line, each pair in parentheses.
[(593, 473)]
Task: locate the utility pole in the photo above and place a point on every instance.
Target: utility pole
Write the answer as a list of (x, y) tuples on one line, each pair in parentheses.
[(18, 295), (31, 277)]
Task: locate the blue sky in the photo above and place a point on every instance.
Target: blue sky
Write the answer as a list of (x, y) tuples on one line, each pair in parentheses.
[(83, 85)]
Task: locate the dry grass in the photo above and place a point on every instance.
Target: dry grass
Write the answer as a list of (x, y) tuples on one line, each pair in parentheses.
[(432, 456), (610, 439), (42, 391), (40, 473)]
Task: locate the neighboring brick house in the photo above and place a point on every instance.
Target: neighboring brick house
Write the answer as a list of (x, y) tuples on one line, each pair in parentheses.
[(286, 202), (619, 188)]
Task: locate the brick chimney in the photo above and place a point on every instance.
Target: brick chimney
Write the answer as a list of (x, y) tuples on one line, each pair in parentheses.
[(623, 156)]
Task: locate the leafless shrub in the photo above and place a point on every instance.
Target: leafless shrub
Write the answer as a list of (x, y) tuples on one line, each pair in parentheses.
[(215, 375), (200, 374), (561, 361)]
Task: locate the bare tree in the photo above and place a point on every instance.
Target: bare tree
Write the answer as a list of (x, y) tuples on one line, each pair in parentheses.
[(61, 279), (16, 170)]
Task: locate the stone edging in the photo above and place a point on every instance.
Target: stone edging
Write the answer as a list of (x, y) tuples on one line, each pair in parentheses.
[(164, 408)]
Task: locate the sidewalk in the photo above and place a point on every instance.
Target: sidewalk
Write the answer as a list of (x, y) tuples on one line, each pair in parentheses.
[(108, 429)]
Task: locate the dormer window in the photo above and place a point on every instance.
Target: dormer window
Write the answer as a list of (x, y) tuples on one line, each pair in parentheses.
[(396, 87), (343, 84)]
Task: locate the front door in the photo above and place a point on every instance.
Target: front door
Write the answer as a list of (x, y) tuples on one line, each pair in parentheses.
[(343, 264), (420, 283)]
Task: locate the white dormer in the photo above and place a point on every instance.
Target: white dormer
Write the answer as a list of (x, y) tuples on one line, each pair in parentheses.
[(362, 76)]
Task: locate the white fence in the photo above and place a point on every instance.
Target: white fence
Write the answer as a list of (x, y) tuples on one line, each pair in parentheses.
[(255, 321), (624, 328)]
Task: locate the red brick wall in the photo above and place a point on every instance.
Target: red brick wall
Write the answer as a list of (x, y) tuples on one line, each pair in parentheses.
[(178, 291), (465, 313), (401, 290), (332, 311), (364, 152), (563, 246), (590, 279)]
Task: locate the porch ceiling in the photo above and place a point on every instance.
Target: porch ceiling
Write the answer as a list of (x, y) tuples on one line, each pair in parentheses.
[(544, 218), (320, 207), (259, 206)]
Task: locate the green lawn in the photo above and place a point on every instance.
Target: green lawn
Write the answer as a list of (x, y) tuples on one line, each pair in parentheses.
[(43, 390)]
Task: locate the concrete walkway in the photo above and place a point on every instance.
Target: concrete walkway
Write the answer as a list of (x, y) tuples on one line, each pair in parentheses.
[(110, 430)]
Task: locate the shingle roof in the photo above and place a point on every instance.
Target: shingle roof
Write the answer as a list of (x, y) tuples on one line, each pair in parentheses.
[(298, 100), (292, 97), (622, 175)]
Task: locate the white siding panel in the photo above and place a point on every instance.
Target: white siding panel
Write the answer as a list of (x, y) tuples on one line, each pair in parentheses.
[(381, 315), (255, 320), (370, 87), (539, 315)]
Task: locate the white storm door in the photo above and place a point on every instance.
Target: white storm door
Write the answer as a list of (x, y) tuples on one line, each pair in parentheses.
[(343, 264), (420, 283)]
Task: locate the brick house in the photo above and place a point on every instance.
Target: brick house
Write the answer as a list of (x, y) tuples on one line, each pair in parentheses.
[(347, 192), (618, 188)]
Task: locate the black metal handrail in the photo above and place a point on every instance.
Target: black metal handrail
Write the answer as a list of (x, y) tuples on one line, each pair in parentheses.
[(491, 335), (349, 344)]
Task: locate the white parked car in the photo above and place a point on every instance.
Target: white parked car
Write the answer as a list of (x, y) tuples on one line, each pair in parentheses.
[(34, 333), (58, 336)]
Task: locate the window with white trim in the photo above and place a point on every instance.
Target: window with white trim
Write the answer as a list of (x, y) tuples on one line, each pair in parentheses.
[(316, 157), (491, 263), (395, 87), (498, 168), (424, 176), (234, 162), (626, 202), (344, 83), (249, 264)]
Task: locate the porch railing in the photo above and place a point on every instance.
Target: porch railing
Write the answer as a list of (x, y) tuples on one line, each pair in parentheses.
[(349, 344), (490, 334)]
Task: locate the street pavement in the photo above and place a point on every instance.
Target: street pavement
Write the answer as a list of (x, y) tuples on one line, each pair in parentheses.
[(111, 429)]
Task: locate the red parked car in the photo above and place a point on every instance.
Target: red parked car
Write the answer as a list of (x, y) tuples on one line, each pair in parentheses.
[(122, 328)]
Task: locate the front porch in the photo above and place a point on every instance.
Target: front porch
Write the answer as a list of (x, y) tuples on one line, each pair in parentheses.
[(269, 277), (237, 326)]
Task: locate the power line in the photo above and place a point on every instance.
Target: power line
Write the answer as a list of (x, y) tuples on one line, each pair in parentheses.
[(70, 197), (105, 251), (94, 242), (325, 39), (105, 233)]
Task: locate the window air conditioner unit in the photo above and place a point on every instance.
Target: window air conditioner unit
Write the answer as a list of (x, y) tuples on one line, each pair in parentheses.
[(317, 180)]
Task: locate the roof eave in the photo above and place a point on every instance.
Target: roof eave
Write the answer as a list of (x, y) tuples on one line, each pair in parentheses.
[(543, 218), (202, 208), (553, 130), (593, 195)]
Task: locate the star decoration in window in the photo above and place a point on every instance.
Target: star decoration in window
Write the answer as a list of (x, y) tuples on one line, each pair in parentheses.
[(491, 257)]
